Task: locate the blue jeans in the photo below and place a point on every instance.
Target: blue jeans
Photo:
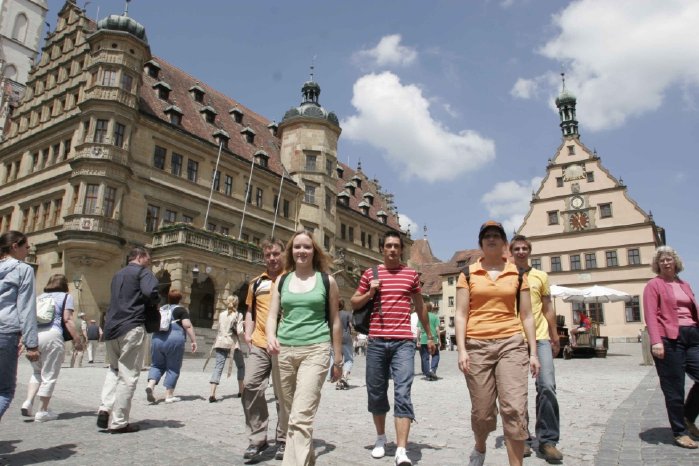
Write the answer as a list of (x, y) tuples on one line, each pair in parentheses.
[(347, 359), (9, 343), (397, 358), (681, 355), (547, 416), (428, 367), (167, 351)]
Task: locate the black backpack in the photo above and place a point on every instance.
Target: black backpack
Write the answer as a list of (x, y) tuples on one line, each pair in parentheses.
[(326, 283)]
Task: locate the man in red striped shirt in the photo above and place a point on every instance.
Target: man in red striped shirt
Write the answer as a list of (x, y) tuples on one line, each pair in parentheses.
[(391, 348)]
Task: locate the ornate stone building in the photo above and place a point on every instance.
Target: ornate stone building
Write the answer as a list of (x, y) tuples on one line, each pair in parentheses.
[(113, 147), (585, 230), (21, 23)]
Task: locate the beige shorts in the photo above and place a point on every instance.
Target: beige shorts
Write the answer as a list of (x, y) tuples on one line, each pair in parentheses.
[(498, 370)]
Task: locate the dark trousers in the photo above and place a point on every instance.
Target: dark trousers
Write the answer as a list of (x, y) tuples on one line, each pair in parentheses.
[(428, 364), (681, 356)]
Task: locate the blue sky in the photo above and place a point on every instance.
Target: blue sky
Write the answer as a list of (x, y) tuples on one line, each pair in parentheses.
[(450, 103)]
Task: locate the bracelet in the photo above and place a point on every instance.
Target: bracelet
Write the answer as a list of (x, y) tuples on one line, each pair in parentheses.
[(338, 364)]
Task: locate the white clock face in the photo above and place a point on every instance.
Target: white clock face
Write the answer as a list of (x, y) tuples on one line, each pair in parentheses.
[(577, 202)]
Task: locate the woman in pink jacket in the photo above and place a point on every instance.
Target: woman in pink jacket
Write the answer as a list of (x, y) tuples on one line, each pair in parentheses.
[(672, 316)]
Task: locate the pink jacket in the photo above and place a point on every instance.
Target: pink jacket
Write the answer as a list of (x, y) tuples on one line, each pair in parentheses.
[(659, 309)]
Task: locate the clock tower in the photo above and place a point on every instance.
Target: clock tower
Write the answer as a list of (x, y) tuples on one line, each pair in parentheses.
[(585, 229)]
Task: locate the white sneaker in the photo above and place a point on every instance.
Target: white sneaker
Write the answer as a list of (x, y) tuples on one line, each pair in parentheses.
[(173, 399), (476, 459), (379, 450), (27, 409), (402, 460), (43, 416)]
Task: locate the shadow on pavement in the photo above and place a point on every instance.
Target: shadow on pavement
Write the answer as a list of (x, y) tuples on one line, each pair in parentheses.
[(64, 416), (39, 455), (147, 424), (191, 397), (657, 435), (8, 446), (414, 450), (324, 446)]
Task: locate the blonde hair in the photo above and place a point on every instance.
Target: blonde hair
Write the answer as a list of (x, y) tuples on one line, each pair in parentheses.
[(666, 251), (232, 301), (321, 261)]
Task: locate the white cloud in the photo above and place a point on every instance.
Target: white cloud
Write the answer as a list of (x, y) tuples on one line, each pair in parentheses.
[(508, 201), (525, 88), (388, 52), (407, 224), (622, 57), (396, 119)]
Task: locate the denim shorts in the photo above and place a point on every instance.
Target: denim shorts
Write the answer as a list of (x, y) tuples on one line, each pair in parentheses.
[(397, 358)]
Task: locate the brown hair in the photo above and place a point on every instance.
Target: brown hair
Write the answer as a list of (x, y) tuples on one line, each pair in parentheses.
[(321, 261), (269, 243), (57, 282), (521, 239), (174, 296), (137, 252), (9, 238)]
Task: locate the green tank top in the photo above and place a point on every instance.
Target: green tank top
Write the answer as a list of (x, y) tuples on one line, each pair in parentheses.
[(303, 322)]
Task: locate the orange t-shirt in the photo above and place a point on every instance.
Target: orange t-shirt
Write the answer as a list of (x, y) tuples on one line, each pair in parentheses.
[(492, 307)]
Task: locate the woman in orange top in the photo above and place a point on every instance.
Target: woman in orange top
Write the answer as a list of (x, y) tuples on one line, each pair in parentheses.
[(492, 352)]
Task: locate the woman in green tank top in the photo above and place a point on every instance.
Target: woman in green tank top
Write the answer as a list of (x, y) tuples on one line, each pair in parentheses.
[(303, 340)]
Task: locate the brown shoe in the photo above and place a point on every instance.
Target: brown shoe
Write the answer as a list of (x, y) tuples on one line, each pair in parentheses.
[(550, 453), (692, 428), (685, 442), (527, 450)]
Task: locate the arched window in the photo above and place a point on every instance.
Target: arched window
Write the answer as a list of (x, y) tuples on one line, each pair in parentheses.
[(10, 72), (19, 32)]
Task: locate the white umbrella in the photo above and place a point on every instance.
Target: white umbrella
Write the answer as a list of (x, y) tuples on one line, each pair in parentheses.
[(558, 291), (599, 294)]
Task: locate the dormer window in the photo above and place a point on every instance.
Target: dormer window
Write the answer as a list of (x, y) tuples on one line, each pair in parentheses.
[(209, 114), (163, 89), (152, 69), (175, 114), (357, 180), (237, 115), (364, 207), (344, 197), (340, 171), (369, 198), (197, 93), (261, 158), (249, 134), (382, 216), (273, 127), (221, 138), (350, 187)]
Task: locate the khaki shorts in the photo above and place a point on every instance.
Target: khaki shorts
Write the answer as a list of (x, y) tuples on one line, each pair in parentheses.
[(498, 370)]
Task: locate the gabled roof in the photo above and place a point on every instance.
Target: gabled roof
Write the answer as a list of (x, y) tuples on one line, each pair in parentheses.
[(368, 186)]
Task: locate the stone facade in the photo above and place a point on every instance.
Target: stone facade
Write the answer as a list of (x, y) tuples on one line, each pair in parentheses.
[(113, 147)]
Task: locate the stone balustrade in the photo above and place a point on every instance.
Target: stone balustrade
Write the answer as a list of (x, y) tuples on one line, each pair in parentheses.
[(92, 223), (183, 234)]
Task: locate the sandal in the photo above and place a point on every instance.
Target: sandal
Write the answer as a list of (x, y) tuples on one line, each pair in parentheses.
[(685, 442)]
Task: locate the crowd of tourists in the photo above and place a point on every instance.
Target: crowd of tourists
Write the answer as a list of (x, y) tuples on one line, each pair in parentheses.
[(296, 332)]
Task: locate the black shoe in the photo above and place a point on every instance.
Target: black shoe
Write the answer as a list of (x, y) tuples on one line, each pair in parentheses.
[(103, 419), (90, 362), (127, 429), (279, 454), (212, 399), (149, 395), (254, 450)]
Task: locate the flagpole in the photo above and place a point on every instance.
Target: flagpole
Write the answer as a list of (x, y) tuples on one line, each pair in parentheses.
[(279, 200), (245, 199), (213, 181)]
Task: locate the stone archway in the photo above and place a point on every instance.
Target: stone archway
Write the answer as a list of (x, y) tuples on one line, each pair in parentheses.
[(201, 306)]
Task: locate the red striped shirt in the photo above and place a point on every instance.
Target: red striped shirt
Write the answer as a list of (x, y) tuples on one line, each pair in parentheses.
[(397, 288)]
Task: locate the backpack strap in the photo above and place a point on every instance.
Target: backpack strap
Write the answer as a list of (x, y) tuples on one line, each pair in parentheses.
[(467, 274), (520, 279), (375, 276), (255, 286), (326, 284)]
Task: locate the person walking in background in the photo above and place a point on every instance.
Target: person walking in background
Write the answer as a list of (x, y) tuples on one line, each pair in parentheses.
[(672, 317), (230, 327), (93, 335), (78, 345), (168, 345), (492, 352), (429, 362), (391, 347), (548, 345), (261, 363), (51, 346), (132, 288), (303, 340), (347, 349), (17, 312)]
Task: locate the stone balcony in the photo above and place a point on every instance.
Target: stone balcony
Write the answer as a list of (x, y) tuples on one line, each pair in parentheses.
[(112, 94), (95, 151), (92, 223), (186, 235)]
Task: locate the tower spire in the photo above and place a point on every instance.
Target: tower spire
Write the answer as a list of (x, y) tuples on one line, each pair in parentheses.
[(566, 102)]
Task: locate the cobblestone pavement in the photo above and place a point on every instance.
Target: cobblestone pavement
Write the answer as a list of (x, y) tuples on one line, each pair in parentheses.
[(612, 413)]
